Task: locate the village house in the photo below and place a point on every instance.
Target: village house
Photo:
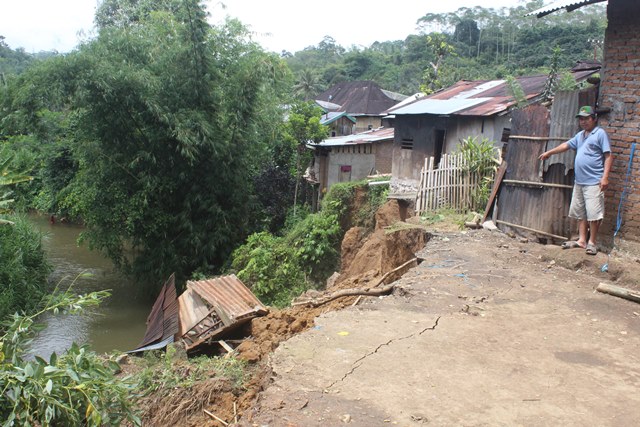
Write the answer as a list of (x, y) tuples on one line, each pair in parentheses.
[(350, 158), (365, 101), (433, 125), (339, 123), (618, 105)]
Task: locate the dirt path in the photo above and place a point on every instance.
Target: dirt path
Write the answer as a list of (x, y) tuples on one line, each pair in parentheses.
[(486, 331)]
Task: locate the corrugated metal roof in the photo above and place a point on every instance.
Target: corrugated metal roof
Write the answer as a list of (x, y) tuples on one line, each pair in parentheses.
[(569, 5), (207, 309), (193, 310), (163, 319), (480, 97), (229, 297), (367, 137), (439, 106), (155, 346)]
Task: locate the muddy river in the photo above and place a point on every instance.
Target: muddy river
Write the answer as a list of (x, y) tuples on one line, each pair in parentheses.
[(118, 324)]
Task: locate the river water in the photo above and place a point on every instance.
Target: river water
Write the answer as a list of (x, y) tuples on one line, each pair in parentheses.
[(119, 322)]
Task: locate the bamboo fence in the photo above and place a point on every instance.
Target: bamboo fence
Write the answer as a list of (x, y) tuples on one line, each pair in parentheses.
[(448, 184)]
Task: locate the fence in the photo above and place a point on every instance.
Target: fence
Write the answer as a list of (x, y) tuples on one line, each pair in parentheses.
[(447, 185)]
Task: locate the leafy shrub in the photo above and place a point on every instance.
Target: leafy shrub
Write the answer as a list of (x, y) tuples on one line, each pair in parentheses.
[(23, 266), (269, 266), (317, 239), (338, 199), (78, 388), (482, 159)]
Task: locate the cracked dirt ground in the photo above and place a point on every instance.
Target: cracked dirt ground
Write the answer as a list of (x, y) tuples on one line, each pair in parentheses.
[(486, 331)]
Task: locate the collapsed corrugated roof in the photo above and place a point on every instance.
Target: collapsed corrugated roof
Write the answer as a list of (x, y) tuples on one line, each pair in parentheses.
[(207, 310), (360, 98), (569, 5), (162, 323), (480, 97), (367, 137)]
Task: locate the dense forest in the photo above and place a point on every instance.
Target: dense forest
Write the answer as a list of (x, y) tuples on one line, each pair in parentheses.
[(470, 43), (173, 140)]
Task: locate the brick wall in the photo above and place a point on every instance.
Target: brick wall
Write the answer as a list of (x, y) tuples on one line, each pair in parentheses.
[(620, 91)]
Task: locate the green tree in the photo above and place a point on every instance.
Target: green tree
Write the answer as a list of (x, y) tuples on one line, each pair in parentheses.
[(308, 85), (168, 121), (441, 49), (303, 127)]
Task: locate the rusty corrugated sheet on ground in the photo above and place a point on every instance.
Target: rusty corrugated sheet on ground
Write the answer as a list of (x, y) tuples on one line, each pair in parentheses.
[(526, 205), (228, 303), (162, 322), (228, 295)]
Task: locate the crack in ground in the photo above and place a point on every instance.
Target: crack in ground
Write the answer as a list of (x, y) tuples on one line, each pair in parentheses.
[(388, 343)]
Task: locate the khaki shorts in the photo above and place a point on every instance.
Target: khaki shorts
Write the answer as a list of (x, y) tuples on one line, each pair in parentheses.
[(587, 202)]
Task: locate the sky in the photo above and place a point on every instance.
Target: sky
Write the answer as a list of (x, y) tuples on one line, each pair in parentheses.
[(278, 25)]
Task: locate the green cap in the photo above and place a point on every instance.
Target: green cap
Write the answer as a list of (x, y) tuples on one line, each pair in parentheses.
[(586, 111)]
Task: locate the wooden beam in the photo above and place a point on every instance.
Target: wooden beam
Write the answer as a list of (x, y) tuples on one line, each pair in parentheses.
[(618, 292), (540, 138), (544, 233), (536, 183)]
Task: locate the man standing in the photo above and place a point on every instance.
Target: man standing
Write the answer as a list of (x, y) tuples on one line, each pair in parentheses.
[(592, 166)]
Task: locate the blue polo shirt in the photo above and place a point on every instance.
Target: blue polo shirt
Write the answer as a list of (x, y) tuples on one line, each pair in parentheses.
[(589, 163)]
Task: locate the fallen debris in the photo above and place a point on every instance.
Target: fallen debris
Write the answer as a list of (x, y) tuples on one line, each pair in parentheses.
[(371, 291), (205, 312)]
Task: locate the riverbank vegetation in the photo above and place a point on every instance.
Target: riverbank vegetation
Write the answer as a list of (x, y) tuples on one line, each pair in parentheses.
[(76, 388)]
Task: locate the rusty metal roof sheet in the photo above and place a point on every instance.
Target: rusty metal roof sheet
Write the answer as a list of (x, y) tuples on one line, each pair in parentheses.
[(569, 5), (210, 308), (229, 297), (162, 322), (367, 137), (480, 97)]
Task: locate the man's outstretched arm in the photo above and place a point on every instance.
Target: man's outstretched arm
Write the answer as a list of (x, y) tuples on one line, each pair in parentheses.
[(559, 149)]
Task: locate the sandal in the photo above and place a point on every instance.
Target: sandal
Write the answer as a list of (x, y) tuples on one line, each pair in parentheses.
[(571, 244), (591, 249)]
